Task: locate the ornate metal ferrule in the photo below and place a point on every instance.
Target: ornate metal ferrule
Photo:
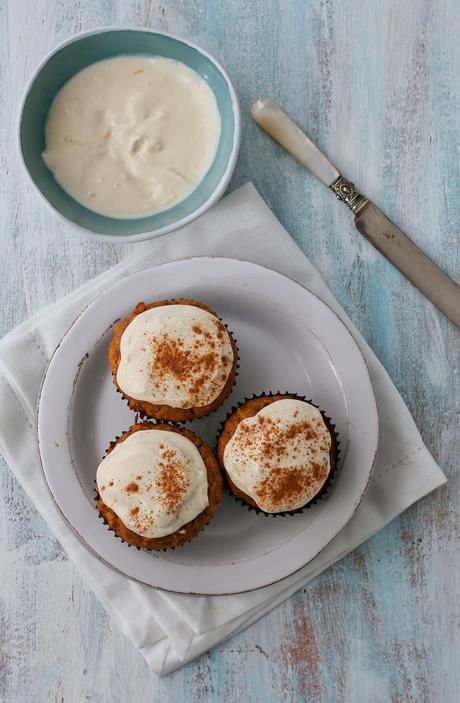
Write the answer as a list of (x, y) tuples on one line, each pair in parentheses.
[(346, 192)]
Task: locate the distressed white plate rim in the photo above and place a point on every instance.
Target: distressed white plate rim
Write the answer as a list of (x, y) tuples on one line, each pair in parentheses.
[(289, 340)]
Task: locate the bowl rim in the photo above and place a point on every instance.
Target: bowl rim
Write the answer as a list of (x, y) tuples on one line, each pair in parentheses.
[(178, 224)]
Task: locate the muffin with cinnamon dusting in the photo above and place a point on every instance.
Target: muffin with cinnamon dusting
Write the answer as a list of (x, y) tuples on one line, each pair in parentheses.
[(278, 453), (173, 360), (158, 486)]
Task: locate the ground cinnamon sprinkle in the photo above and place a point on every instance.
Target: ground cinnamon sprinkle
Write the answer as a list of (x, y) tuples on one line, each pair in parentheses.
[(172, 484), (196, 365), (132, 487), (269, 441), (283, 486), (220, 328), (274, 439), (172, 481), (171, 358), (318, 471)]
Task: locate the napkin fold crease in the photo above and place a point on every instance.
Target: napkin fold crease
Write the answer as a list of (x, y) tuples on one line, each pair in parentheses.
[(171, 629)]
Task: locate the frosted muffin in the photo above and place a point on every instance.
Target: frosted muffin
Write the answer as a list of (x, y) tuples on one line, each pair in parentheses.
[(277, 453), (173, 360), (158, 486)]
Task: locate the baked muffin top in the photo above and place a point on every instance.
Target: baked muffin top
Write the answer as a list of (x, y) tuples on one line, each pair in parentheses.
[(280, 457), (155, 481), (175, 355)]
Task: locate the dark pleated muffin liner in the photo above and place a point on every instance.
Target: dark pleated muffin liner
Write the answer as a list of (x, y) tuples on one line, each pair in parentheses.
[(326, 487), (134, 546), (144, 415)]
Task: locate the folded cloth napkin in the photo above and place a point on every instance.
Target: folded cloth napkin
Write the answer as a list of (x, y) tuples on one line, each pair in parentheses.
[(171, 629)]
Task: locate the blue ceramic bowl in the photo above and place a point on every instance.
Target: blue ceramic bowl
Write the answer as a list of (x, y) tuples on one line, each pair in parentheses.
[(84, 49)]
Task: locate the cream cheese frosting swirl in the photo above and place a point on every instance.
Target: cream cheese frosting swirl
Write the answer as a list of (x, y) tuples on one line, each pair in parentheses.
[(155, 481), (280, 456), (176, 355)]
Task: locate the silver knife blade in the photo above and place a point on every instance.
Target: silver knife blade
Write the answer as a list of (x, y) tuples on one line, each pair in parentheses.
[(410, 260)]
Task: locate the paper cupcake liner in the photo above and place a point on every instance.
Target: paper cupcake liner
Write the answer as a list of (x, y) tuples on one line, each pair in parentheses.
[(323, 493), (144, 415), (102, 517)]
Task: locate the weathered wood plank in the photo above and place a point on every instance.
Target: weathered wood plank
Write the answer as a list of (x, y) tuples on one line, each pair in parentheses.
[(378, 86)]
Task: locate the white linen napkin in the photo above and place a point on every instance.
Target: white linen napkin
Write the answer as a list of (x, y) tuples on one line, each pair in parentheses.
[(169, 629)]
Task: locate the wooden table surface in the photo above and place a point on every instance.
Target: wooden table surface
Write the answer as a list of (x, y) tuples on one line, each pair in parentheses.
[(377, 85)]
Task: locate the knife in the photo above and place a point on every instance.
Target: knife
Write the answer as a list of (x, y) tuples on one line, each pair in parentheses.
[(418, 268)]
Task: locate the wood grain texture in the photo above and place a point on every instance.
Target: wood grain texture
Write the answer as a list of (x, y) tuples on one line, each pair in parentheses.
[(377, 85)]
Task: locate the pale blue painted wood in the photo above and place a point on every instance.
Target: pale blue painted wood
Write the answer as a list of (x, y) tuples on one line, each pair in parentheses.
[(377, 85)]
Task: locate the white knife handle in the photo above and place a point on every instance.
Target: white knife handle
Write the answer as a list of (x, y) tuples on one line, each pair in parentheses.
[(277, 123)]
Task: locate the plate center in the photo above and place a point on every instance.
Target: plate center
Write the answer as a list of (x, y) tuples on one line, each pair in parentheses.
[(278, 352)]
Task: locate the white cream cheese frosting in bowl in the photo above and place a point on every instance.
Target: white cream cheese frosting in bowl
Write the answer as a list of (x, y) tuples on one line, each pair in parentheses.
[(59, 68), (131, 136)]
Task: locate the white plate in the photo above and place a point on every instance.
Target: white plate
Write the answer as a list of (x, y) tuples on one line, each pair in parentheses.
[(289, 340)]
